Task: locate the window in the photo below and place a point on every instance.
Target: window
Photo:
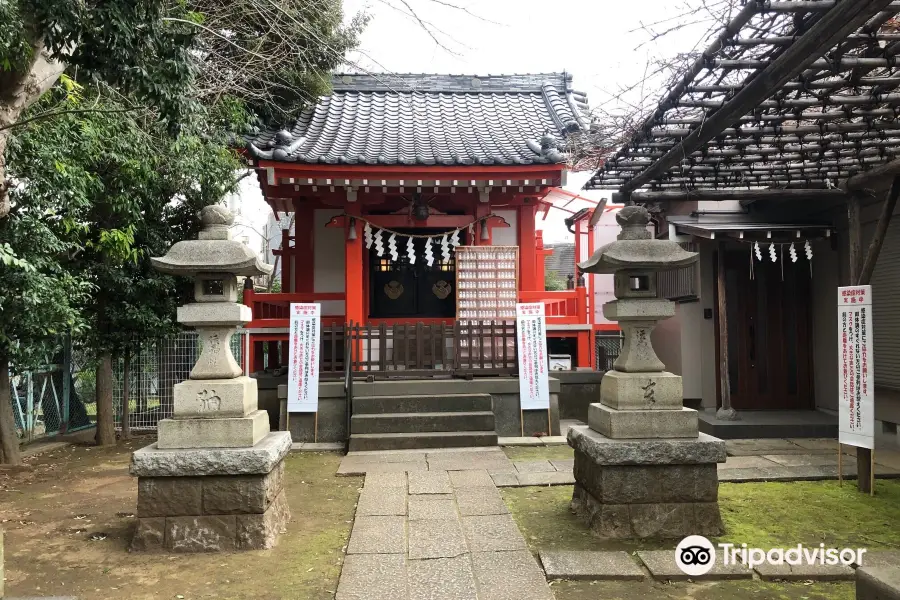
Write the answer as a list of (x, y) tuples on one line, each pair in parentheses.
[(446, 265), (384, 265)]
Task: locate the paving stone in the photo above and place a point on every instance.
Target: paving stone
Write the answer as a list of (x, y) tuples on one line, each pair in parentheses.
[(746, 462), (436, 539), (505, 479), (381, 502), (492, 533), (476, 478), (368, 576), (480, 501), (429, 482), (378, 535), (881, 558), (534, 466), (816, 443), (756, 447), (591, 565), (386, 480), (519, 441), (805, 572), (441, 579), (554, 478), (363, 467), (554, 440), (432, 506), (888, 458), (661, 564), (510, 576), (878, 583), (396, 456), (319, 447), (802, 460), (564, 465)]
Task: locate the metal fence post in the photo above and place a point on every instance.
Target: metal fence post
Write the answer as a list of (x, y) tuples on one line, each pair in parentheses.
[(66, 383), (29, 406)]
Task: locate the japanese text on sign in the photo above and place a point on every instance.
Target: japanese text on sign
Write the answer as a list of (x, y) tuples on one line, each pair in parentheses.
[(534, 381), (855, 389), (303, 368)]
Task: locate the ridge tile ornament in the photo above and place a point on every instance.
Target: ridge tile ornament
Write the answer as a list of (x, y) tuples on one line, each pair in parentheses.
[(201, 486), (642, 468)]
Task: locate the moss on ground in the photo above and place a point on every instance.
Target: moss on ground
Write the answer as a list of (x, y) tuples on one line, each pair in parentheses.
[(538, 452), (764, 515), (723, 590)]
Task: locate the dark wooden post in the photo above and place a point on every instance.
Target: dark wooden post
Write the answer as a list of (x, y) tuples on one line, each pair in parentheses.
[(725, 412), (861, 274), (854, 240)]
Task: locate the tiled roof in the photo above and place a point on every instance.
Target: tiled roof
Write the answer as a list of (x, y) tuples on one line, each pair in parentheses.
[(562, 261), (433, 120)]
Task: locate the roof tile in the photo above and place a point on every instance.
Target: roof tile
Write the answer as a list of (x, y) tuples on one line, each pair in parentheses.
[(433, 119)]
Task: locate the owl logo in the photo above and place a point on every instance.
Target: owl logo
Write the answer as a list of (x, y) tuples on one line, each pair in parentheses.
[(393, 289), (441, 289)]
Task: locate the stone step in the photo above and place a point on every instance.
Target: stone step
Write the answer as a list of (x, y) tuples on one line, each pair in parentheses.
[(422, 403), (405, 441), (422, 421)]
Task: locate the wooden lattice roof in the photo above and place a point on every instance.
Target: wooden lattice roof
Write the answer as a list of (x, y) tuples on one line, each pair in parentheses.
[(790, 94)]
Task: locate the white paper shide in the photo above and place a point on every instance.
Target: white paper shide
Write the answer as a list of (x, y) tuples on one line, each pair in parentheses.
[(856, 409), (303, 367), (531, 339)]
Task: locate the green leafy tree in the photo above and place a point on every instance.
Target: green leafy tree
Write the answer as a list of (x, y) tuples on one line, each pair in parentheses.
[(121, 190), (553, 282)]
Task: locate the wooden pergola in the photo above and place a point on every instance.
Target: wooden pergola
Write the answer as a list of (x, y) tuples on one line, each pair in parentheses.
[(792, 99)]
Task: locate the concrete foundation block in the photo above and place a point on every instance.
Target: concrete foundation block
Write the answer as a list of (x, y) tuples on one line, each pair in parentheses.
[(641, 391), (149, 535), (207, 533), (643, 424), (646, 520), (607, 451), (627, 484), (152, 461), (241, 494), (242, 432), (261, 531), (169, 496), (878, 583), (215, 398)]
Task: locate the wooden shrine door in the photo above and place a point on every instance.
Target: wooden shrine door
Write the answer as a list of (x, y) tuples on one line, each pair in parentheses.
[(769, 362), (409, 290)]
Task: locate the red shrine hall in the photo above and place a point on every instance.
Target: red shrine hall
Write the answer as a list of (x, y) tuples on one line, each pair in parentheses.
[(415, 200)]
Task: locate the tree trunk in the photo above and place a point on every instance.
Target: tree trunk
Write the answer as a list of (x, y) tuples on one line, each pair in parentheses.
[(106, 415), (18, 90), (9, 441), (126, 395)]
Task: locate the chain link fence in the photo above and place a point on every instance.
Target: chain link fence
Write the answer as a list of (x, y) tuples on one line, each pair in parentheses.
[(60, 397)]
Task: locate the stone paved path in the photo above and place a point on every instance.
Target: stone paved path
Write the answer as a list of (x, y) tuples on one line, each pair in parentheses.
[(433, 526)]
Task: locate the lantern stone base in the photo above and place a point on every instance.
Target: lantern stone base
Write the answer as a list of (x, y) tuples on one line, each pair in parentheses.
[(236, 432), (643, 424), (211, 500), (664, 488), (641, 391)]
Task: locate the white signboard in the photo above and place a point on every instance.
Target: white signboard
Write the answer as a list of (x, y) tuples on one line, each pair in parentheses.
[(856, 404), (303, 366), (534, 382)]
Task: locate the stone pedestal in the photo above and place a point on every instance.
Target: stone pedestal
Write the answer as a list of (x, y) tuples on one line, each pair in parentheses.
[(661, 488), (211, 500)]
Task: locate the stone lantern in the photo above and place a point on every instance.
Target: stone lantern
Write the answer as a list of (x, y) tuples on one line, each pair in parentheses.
[(642, 469), (213, 479)]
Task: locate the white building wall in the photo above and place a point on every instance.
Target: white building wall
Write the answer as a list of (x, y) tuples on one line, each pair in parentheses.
[(328, 264), (506, 236)]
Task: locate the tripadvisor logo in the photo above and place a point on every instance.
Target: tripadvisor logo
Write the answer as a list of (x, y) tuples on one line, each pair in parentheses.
[(696, 555)]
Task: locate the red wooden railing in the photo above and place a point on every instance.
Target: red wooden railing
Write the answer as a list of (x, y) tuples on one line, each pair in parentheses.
[(567, 307), (271, 310)]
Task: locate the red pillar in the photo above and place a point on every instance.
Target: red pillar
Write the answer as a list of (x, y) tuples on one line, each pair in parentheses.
[(527, 251), (353, 273), (540, 259)]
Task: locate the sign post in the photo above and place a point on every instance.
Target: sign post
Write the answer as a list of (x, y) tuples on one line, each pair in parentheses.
[(303, 370), (856, 401), (534, 381)]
